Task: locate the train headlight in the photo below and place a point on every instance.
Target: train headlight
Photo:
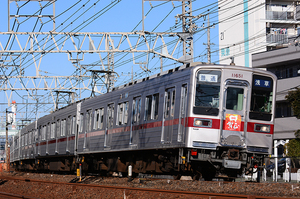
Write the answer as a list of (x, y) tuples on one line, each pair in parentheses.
[(202, 122), (197, 123), (262, 128)]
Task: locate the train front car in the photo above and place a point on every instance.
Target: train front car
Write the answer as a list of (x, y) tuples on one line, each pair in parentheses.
[(231, 120)]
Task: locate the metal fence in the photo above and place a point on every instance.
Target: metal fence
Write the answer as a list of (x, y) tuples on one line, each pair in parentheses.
[(288, 170)]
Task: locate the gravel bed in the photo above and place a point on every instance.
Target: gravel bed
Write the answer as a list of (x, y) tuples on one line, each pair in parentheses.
[(41, 190)]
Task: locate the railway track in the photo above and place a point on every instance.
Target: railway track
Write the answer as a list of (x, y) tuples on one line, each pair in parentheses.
[(127, 190), (4, 195)]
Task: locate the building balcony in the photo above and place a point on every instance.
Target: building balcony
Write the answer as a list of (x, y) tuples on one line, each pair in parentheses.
[(278, 38), (279, 15)]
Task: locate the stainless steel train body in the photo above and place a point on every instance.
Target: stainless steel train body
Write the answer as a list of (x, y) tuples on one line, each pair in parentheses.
[(208, 120)]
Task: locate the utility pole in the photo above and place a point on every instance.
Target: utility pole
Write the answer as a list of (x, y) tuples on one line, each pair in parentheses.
[(7, 147), (208, 41)]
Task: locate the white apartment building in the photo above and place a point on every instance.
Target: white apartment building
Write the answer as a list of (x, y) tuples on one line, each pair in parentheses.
[(253, 26)]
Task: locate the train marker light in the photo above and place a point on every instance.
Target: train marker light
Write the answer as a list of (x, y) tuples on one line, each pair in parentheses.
[(262, 128), (194, 152), (202, 122)]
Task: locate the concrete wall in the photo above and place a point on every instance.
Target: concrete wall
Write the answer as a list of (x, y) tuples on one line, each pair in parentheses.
[(242, 30)]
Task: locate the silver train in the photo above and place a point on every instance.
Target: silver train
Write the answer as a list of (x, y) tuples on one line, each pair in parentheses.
[(201, 120)]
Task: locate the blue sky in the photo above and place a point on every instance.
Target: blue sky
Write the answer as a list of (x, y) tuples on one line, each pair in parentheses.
[(105, 16)]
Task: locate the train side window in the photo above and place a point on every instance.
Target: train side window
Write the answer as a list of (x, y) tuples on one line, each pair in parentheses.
[(44, 132), (29, 137), (120, 114), (63, 127), (101, 118), (96, 119), (173, 103), (155, 105), (69, 125), (125, 120), (148, 107), (48, 131), (52, 130), (167, 102), (26, 139), (136, 109), (88, 120), (110, 115), (151, 107), (81, 122), (73, 125), (58, 128)]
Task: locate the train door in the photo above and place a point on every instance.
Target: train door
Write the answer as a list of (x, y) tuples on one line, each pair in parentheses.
[(135, 121), (109, 125), (182, 113), (168, 118), (234, 113)]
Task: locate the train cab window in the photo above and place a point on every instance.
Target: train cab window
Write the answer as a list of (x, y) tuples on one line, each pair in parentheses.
[(261, 98), (136, 109), (207, 92), (235, 98), (52, 130)]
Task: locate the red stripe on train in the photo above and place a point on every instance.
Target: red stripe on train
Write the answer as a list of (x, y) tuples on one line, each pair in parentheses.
[(189, 122)]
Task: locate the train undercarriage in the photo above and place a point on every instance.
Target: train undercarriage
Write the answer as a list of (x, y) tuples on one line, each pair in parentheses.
[(226, 163)]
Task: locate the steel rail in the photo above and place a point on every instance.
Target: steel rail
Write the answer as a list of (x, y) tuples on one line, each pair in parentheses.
[(12, 195), (202, 194)]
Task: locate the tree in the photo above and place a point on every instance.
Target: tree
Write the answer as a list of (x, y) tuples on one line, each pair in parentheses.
[(294, 98), (293, 146)]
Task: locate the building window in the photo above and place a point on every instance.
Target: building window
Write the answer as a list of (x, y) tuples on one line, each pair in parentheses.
[(283, 109)]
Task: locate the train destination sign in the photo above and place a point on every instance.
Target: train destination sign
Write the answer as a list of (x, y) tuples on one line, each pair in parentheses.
[(207, 78), (262, 83)]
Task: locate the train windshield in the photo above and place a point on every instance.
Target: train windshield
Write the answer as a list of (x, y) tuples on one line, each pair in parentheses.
[(261, 98), (207, 92)]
